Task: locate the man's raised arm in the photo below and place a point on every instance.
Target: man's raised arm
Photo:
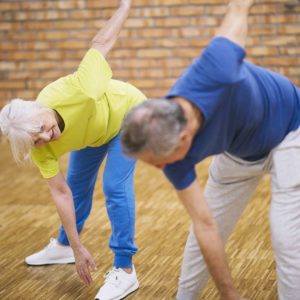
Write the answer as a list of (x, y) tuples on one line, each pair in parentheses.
[(235, 24)]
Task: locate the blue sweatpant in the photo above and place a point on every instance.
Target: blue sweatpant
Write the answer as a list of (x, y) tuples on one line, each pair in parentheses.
[(118, 189)]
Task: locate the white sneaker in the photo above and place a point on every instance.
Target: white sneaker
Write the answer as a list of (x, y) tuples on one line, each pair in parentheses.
[(54, 253), (118, 284)]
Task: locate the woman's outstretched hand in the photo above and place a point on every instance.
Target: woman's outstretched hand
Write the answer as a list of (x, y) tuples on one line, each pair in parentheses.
[(84, 262)]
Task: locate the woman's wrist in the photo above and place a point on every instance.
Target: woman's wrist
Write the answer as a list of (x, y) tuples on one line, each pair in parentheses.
[(75, 245)]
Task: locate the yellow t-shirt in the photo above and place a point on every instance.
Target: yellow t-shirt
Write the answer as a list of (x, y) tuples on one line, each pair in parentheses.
[(92, 106)]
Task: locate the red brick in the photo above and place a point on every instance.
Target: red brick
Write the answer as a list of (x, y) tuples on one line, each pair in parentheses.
[(43, 40), (262, 51)]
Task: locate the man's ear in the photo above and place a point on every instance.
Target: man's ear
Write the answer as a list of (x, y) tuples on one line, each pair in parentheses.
[(183, 137)]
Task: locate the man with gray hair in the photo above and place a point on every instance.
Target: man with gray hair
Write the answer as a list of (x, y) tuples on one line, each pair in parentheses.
[(248, 117)]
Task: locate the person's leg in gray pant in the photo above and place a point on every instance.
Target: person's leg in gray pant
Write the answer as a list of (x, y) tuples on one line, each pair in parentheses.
[(285, 215), (230, 185)]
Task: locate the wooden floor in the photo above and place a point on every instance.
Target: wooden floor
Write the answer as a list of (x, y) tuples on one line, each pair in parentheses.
[(28, 220)]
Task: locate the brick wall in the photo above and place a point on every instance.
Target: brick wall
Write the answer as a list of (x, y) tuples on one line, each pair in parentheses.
[(43, 40)]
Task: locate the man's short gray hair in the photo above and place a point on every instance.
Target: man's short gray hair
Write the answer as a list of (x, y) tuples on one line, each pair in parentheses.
[(154, 126), (18, 121)]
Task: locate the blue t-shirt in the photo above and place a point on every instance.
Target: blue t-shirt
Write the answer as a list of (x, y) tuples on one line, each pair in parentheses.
[(247, 110)]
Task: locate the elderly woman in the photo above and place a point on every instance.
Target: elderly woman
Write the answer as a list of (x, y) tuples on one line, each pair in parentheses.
[(82, 113)]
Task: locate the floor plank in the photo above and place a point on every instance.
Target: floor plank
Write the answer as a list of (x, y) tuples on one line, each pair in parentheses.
[(28, 220)]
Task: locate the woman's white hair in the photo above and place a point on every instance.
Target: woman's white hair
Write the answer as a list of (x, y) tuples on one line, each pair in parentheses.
[(18, 121)]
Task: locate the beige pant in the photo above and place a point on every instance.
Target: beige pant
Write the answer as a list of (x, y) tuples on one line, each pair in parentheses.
[(230, 185)]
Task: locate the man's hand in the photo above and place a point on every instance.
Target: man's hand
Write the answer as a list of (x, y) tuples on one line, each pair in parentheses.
[(84, 261), (126, 3), (233, 296), (244, 3), (236, 298)]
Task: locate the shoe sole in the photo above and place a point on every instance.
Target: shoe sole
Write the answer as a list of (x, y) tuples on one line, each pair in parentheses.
[(52, 262), (129, 292)]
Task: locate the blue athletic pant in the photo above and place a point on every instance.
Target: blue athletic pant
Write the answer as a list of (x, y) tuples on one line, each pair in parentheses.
[(118, 189)]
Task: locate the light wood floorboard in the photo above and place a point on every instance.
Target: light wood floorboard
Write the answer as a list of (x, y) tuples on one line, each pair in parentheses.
[(28, 220)]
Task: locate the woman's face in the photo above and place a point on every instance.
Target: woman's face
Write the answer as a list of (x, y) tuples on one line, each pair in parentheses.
[(49, 130)]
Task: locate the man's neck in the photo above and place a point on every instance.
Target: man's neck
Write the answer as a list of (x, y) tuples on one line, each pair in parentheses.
[(192, 114)]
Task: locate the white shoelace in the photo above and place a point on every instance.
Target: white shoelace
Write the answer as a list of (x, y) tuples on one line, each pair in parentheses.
[(51, 244), (112, 277)]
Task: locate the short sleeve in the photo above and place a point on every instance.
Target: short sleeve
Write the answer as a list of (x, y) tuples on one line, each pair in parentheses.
[(207, 82), (222, 61), (180, 175), (46, 163), (93, 74)]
